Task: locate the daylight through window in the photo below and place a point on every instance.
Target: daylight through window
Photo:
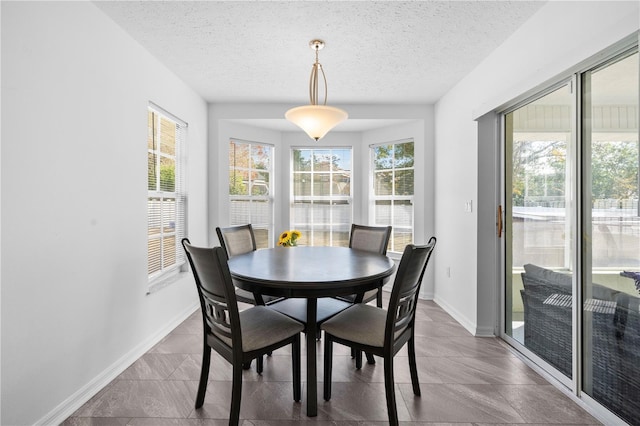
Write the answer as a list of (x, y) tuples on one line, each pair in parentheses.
[(166, 197), (250, 194), (393, 176), (321, 204)]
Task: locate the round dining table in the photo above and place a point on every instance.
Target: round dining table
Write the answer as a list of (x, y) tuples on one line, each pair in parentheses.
[(311, 273)]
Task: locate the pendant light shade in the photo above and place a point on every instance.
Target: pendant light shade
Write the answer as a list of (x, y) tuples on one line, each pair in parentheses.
[(316, 120)]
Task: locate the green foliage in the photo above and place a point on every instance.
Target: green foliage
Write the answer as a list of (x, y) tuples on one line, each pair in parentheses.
[(167, 178), (538, 170), (236, 184), (614, 170), (397, 156), (299, 160)]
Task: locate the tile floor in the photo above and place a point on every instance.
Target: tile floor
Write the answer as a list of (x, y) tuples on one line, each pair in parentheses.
[(464, 380)]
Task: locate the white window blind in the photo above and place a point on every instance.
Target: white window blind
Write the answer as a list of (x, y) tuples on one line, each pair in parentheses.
[(250, 188), (166, 202), (322, 203), (393, 190)]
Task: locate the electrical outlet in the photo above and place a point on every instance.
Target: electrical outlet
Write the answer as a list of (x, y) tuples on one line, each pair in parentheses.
[(468, 206)]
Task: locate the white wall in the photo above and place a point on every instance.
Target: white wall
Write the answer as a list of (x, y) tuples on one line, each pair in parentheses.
[(557, 37), (75, 312)]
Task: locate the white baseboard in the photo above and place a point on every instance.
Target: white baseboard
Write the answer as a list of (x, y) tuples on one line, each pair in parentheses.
[(485, 332), (428, 296), (471, 326), (85, 393)]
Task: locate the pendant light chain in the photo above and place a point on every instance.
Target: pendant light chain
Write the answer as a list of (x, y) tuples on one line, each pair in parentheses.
[(313, 80)]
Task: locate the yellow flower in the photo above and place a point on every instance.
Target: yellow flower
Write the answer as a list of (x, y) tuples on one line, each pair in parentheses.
[(289, 238), (285, 237)]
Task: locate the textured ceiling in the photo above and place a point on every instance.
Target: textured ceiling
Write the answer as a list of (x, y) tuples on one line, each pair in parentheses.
[(382, 52)]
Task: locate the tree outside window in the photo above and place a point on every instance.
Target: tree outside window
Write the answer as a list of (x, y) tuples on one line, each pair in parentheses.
[(393, 191)]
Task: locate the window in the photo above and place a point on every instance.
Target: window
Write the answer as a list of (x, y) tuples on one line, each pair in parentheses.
[(166, 202), (393, 191), (250, 193), (321, 205)]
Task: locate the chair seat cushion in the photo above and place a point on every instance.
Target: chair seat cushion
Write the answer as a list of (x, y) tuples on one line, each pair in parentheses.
[(360, 323), (262, 327)]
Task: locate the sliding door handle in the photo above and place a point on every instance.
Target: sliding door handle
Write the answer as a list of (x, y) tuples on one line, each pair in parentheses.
[(499, 221)]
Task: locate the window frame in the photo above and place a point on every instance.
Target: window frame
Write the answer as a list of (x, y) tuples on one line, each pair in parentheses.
[(393, 197), (167, 271)]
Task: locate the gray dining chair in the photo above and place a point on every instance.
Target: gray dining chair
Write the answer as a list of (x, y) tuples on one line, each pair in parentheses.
[(238, 336), (374, 239), (383, 332), (237, 240)]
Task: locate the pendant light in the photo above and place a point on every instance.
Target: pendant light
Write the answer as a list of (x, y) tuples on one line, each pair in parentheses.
[(316, 120)]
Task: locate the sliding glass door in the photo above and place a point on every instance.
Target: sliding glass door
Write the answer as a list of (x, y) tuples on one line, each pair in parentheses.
[(611, 229), (540, 218), (572, 232)]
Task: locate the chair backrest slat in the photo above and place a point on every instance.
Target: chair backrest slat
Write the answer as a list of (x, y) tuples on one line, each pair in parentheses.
[(374, 239), (215, 291), (236, 240), (403, 302), (217, 316)]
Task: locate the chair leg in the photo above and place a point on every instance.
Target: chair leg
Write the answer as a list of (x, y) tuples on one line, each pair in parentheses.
[(204, 376), (389, 390), (328, 365), (259, 364), (370, 359), (379, 297), (412, 366), (246, 365), (236, 394), (297, 374)]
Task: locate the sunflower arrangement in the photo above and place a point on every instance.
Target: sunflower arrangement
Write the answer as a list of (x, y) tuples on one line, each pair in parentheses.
[(289, 238)]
